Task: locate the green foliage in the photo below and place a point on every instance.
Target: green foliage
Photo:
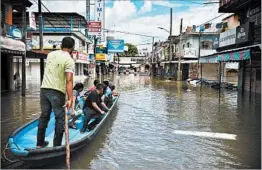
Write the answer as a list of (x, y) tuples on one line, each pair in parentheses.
[(132, 50)]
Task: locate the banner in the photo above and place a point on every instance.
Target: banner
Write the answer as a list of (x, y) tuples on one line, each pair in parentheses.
[(100, 16), (32, 23)]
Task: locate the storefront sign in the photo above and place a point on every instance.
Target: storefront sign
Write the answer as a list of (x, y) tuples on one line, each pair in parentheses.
[(215, 44), (50, 40), (32, 23), (101, 57), (94, 28), (74, 54), (29, 45), (100, 17), (14, 32), (82, 56), (244, 33), (227, 38), (190, 53)]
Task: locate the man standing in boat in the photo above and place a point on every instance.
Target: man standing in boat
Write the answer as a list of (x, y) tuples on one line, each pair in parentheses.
[(57, 81)]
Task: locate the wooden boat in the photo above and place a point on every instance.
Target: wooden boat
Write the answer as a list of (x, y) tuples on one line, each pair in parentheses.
[(23, 141)]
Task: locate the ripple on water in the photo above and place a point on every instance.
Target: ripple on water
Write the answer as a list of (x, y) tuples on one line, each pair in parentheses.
[(141, 134)]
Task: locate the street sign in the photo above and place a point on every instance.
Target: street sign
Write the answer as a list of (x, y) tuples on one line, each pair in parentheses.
[(115, 46), (94, 28)]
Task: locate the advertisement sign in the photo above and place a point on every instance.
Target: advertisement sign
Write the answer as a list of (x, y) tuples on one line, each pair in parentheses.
[(14, 32), (227, 38), (29, 45), (244, 33), (94, 28), (115, 46), (101, 57), (32, 22), (91, 57), (50, 40), (190, 53), (100, 16), (215, 44), (82, 56)]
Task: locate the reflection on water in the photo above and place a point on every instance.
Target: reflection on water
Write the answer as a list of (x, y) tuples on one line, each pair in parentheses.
[(139, 133)]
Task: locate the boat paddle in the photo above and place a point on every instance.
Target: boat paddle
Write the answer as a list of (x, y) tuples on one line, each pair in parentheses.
[(67, 140)]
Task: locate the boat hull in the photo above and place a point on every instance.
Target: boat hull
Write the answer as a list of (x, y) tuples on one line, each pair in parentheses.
[(52, 155)]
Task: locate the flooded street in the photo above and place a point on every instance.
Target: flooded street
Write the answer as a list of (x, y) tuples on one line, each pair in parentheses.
[(142, 132)]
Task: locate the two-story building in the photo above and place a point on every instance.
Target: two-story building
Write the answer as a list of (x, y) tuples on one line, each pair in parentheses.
[(241, 43), (56, 26), (12, 42)]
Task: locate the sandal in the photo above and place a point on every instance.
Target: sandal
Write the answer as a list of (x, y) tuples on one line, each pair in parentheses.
[(72, 127)]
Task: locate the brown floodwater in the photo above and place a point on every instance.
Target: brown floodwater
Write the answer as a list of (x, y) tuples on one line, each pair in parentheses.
[(142, 133)]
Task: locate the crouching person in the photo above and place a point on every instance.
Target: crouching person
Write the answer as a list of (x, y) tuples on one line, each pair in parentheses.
[(94, 108)]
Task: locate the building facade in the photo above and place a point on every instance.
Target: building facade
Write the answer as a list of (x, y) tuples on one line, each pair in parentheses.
[(12, 40), (241, 43)]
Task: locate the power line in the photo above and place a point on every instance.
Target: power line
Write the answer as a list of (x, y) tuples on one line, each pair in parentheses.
[(126, 32)]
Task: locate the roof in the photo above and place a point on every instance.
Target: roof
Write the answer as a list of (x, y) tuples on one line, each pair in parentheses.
[(18, 4), (55, 19)]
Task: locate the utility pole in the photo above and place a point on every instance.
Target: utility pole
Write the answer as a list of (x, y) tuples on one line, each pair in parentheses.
[(170, 40), (95, 42), (41, 39), (198, 63), (24, 56), (179, 59), (152, 56)]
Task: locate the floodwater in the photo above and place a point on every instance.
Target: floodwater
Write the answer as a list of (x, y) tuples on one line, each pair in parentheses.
[(160, 125)]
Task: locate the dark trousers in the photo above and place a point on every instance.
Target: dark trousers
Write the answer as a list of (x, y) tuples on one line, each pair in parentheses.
[(51, 100), (108, 101), (89, 114)]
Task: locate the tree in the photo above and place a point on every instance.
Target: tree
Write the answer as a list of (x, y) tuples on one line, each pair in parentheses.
[(132, 50)]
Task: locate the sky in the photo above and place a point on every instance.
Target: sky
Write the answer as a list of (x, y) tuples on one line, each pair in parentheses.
[(143, 16)]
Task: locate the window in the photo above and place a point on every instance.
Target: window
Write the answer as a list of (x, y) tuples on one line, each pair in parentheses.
[(188, 45), (206, 45), (183, 46)]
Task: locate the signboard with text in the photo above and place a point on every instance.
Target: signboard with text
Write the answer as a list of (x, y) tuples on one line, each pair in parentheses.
[(227, 38), (115, 46), (190, 53), (32, 22), (100, 17), (101, 57), (94, 28), (244, 33)]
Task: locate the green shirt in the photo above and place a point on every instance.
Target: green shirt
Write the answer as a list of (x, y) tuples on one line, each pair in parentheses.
[(58, 63)]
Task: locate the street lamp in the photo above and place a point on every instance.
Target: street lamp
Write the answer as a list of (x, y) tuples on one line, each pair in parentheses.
[(163, 29)]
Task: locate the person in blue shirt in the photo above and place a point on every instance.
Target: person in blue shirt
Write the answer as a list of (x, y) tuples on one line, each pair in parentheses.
[(107, 96), (78, 88)]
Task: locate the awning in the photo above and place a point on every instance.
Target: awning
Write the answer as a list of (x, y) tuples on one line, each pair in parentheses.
[(236, 56), (12, 46), (227, 57)]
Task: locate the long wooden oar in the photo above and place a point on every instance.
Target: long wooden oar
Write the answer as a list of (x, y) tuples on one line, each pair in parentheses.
[(67, 140)]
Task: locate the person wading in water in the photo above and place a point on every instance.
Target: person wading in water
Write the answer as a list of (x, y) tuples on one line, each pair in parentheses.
[(57, 81)]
